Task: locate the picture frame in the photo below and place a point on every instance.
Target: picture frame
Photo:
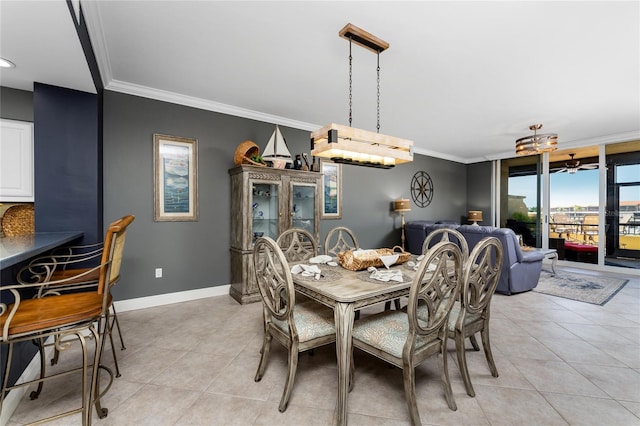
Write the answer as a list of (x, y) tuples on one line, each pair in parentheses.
[(175, 178), (331, 190)]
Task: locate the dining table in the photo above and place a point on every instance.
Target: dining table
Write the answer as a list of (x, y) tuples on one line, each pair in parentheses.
[(346, 291)]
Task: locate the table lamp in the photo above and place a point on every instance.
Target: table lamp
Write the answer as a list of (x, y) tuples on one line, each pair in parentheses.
[(402, 205), (475, 216)]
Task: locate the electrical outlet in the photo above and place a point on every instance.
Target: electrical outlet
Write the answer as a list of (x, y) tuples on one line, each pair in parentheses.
[(158, 272)]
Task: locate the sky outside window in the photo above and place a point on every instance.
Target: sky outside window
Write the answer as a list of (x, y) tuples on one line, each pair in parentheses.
[(568, 190)]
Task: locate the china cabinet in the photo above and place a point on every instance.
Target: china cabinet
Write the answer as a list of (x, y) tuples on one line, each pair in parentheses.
[(264, 202)]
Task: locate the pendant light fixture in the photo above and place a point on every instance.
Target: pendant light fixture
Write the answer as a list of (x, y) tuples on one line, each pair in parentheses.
[(537, 144), (348, 145)]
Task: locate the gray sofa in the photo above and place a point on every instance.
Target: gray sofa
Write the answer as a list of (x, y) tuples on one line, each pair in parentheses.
[(520, 269), (417, 230)]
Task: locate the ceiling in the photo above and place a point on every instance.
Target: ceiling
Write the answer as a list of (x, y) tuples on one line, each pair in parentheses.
[(463, 80)]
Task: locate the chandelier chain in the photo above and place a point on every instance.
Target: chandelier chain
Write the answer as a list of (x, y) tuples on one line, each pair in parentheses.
[(378, 107), (350, 82)]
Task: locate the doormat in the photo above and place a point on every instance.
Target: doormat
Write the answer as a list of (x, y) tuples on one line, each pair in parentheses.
[(597, 290)]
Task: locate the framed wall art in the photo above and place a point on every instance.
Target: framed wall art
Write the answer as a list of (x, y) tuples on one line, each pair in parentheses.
[(175, 178), (331, 190)]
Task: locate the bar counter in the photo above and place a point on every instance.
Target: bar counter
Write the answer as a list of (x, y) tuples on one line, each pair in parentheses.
[(14, 250)]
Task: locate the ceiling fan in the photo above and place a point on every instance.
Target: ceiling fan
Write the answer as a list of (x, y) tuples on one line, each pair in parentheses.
[(571, 166)]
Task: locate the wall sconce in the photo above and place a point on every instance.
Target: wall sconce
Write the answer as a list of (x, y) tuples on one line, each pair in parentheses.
[(475, 216), (402, 205)]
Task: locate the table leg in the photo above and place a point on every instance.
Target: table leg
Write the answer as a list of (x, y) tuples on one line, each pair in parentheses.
[(343, 315), (554, 260)]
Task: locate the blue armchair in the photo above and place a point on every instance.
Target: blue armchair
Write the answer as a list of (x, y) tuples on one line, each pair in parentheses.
[(520, 269)]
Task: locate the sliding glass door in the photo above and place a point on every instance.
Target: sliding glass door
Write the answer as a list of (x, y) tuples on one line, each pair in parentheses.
[(576, 221), (623, 205), (520, 198)]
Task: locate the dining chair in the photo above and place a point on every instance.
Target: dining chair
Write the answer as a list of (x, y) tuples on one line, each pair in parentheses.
[(446, 234), (74, 267), (297, 326), (297, 244), (339, 239), (404, 339), (65, 317), (471, 313)]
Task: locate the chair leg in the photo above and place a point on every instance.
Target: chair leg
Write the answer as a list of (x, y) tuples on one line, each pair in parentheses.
[(446, 383), (266, 345), (462, 364), (94, 392), (409, 380), (487, 350), (86, 398), (474, 342), (291, 376), (56, 356), (396, 303), (108, 327), (40, 343), (5, 379), (115, 320), (351, 372)]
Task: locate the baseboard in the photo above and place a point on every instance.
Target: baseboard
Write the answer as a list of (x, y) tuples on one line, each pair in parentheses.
[(169, 298)]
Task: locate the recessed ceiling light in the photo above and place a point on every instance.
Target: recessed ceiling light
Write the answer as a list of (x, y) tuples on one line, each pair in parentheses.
[(4, 63)]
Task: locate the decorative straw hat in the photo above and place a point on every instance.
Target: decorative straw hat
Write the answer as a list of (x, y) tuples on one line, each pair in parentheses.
[(245, 151), (18, 220)]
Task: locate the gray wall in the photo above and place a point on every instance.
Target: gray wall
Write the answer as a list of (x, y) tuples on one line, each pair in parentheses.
[(196, 254), (16, 104), (479, 189)]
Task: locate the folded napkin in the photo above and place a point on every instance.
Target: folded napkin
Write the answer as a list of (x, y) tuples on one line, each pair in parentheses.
[(323, 258), (385, 275), (364, 253), (307, 271), (415, 265)]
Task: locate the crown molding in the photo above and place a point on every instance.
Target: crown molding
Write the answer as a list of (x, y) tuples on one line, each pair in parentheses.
[(91, 12), (171, 97)]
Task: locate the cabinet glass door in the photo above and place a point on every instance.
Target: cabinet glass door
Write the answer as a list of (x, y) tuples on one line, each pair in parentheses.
[(264, 210), (303, 204)]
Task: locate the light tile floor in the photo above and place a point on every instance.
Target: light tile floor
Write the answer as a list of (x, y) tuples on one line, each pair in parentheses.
[(560, 362)]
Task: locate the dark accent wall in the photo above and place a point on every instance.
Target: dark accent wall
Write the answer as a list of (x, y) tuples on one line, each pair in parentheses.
[(68, 181), (195, 255)]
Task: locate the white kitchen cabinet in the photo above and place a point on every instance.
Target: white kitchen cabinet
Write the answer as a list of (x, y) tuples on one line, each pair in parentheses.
[(16, 161)]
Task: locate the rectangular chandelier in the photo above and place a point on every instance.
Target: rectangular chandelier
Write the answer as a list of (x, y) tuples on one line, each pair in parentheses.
[(349, 145)]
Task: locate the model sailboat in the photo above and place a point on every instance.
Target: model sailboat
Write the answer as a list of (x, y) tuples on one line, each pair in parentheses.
[(276, 150)]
